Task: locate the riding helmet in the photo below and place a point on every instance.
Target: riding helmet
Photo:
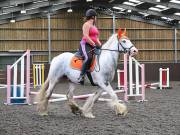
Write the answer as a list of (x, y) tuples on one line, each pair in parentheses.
[(91, 12)]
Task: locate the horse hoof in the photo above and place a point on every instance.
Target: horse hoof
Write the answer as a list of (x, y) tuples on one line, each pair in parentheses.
[(89, 115), (120, 108), (123, 113), (43, 114), (75, 109)]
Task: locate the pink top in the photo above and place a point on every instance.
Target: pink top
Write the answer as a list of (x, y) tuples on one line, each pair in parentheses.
[(93, 34)]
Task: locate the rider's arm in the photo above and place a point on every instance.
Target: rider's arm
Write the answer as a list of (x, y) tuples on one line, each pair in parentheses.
[(86, 28), (98, 42)]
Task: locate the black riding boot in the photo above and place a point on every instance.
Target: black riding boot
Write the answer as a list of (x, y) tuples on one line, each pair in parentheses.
[(90, 79), (83, 71)]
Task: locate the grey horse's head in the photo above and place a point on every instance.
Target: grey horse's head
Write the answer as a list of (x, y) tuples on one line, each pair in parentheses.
[(125, 44)]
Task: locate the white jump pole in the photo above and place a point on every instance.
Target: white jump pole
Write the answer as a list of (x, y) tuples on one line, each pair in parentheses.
[(22, 77), (63, 97), (143, 81), (130, 77)]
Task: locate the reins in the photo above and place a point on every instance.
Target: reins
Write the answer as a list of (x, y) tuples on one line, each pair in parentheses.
[(125, 50)]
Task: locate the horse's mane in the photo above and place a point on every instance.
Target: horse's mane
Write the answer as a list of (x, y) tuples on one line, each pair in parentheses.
[(109, 41)]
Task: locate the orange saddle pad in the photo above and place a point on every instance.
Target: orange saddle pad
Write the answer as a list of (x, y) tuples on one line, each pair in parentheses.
[(76, 63)]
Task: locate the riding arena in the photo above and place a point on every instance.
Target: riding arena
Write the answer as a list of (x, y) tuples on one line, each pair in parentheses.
[(130, 87)]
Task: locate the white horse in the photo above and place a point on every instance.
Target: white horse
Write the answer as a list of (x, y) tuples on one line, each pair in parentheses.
[(108, 60)]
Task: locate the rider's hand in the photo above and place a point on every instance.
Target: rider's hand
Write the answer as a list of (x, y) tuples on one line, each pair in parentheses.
[(98, 47), (93, 44)]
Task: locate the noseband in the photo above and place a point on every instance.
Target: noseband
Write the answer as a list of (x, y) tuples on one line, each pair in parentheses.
[(125, 50)]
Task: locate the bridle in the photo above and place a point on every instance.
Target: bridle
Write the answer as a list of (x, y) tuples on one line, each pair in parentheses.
[(125, 50)]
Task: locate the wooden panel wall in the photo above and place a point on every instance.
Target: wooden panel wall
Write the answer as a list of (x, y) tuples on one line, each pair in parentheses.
[(178, 43), (155, 43)]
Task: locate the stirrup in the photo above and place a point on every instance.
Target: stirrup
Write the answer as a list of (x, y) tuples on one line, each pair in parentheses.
[(94, 84), (81, 79)]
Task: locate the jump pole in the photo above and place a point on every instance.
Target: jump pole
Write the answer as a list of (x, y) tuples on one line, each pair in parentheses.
[(63, 97)]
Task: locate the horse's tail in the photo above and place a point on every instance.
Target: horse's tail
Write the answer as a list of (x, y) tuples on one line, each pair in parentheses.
[(41, 96)]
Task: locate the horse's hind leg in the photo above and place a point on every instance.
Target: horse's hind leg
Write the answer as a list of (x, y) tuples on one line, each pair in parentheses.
[(72, 104), (45, 94)]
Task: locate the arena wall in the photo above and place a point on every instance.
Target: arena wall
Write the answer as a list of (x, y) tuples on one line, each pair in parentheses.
[(156, 44)]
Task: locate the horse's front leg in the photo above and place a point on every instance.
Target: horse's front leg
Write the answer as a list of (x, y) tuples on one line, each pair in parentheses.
[(119, 108), (72, 104), (87, 107)]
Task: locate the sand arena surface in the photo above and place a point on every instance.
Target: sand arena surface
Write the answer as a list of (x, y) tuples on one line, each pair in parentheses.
[(160, 115)]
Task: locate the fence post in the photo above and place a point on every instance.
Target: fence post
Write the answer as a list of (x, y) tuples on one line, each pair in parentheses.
[(143, 81), (130, 77), (125, 78), (8, 84), (160, 78), (168, 85), (28, 76)]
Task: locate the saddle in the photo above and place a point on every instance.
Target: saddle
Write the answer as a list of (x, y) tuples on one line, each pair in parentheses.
[(77, 62)]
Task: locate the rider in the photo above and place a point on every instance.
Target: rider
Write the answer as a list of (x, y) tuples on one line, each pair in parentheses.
[(89, 41)]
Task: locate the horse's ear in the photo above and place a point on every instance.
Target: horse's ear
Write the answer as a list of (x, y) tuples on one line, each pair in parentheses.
[(121, 32)]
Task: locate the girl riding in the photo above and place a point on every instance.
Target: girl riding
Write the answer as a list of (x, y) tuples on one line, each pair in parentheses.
[(89, 41)]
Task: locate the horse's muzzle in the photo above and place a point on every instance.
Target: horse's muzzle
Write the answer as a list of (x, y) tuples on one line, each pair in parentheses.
[(133, 51)]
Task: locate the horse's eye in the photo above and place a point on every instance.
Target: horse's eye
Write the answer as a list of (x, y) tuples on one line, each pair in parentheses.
[(124, 41)]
